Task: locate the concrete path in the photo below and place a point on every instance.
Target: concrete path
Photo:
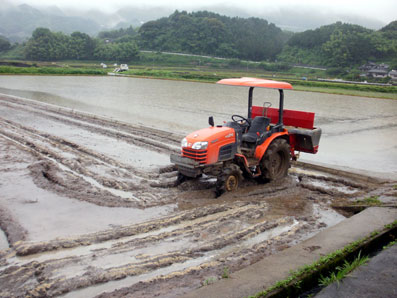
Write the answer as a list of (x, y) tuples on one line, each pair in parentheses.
[(378, 278), (268, 271)]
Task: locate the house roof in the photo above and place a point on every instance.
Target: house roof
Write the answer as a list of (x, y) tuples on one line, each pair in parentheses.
[(378, 71)]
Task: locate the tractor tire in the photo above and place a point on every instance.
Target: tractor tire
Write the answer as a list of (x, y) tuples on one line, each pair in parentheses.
[(180, 179), (229, 179), (276, 161)]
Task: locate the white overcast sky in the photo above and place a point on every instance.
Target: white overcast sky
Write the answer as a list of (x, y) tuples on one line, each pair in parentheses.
[(383, 10)]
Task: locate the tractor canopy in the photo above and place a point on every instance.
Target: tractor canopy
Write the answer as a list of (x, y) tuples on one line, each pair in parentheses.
[(262, 83), (254, 82)]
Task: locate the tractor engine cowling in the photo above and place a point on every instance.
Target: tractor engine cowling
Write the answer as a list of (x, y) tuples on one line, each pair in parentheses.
[(210, 145)]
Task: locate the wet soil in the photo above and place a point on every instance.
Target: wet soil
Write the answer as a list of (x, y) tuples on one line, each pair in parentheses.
[(90, 206)]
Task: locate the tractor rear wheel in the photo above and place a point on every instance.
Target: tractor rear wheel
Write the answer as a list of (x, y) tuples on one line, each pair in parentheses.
[(229, 179), (276, 161)]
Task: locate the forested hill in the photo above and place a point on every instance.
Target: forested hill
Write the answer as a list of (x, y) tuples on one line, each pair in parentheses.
[(337, 45), (341, 45), (208, 33)]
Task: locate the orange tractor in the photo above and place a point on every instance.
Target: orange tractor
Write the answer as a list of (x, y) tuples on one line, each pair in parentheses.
[(259, 146)]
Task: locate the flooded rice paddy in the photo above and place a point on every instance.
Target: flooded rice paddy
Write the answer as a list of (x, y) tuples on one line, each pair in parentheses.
[(356, 130), (90, 204)]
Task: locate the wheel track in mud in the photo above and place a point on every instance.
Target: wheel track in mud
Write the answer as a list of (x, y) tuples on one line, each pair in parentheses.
[(208, 220), (143, 137), (124, 177), (351, 189), (143, 134), (46, 272)]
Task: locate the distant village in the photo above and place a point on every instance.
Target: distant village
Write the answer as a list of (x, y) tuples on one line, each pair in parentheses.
[(380, 71)]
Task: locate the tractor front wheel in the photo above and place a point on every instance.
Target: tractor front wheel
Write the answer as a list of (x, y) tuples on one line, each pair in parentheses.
[(180, 179), (229, 179), (276, 161)]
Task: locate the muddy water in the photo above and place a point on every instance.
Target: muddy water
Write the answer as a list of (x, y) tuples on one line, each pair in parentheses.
[(356, 131), (3, 240)]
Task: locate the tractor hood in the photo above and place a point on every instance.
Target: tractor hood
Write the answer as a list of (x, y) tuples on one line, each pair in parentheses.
[(211, 135), (209, 145)]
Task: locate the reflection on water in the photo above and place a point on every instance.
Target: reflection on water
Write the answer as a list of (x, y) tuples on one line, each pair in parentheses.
[(3, 240), (356, 131)]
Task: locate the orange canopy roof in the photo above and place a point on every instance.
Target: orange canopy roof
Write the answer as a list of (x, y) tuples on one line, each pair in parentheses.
[(254, 82)]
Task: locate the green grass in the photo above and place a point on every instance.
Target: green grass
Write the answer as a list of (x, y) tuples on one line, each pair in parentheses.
[(307, 269), (358, 87), (294, 278), (162, 59), (395, 187), (372, 201), (392, 225), (51, 70), (175, 74), (209, 281), (342, 271), (342, 91), (390, 244), (225, 273)]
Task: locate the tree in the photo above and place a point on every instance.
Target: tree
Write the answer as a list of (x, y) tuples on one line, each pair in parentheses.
[(4, 44), (122, 52), (49, 46), (40, 45), (81, 46), (340, 45)]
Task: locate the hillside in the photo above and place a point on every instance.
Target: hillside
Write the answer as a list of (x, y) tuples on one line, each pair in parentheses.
[(18, 22), (338, 45), (341, 45), (208, 33)]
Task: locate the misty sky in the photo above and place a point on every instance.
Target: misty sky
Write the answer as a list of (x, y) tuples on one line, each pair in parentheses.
[(381, 10)]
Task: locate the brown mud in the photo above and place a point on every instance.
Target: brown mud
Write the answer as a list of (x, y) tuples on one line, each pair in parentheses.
[(90, 207)]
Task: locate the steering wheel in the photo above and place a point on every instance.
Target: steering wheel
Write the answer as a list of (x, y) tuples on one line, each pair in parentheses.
[(238, 118)]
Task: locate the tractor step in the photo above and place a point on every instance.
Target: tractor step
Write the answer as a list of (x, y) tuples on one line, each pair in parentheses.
[(252, 162)]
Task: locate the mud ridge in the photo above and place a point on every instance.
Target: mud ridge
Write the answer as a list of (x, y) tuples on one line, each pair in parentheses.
[(23, 249), (179, 282), (57, 142), (80, 166), (336, 180), (60, 285), (14, 232), (144, 137)]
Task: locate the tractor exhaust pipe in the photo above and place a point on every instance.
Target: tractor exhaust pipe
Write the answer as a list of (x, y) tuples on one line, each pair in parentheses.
[(211, 121)]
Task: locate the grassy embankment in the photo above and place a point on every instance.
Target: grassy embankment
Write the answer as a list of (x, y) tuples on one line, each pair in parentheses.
[(332, 267), (201, 69)]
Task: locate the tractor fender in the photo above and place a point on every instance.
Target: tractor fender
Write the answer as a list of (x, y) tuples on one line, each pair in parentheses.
[(261, 149)]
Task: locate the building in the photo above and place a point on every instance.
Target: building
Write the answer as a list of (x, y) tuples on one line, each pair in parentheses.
[(374, 70), (377, 73), (367, 66), (393, 74)]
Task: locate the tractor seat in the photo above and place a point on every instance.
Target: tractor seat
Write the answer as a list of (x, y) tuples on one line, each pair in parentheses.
[(258, 126)]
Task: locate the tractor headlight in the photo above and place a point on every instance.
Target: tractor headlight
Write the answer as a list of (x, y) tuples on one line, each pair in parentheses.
[(200, 145), (184, 143)]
